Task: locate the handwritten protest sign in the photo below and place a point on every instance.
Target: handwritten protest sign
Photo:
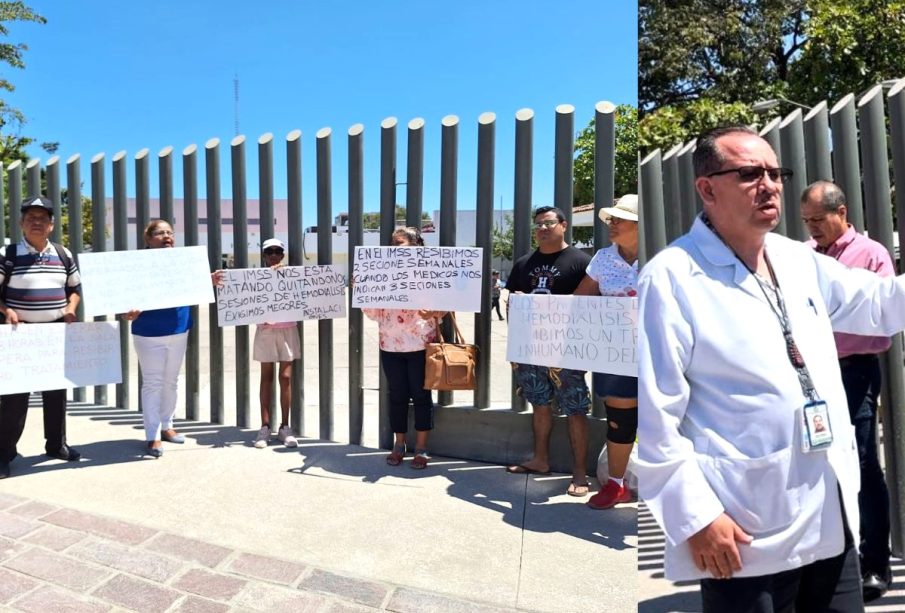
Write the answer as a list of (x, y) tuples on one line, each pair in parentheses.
[(288, 293), (119, 281), (434, 278), (57, 356), (593, 333)]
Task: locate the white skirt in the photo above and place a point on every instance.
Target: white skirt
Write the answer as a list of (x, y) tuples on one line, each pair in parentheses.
[(276, 345)]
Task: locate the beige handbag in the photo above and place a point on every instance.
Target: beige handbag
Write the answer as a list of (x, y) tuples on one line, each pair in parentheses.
[(450, 366)]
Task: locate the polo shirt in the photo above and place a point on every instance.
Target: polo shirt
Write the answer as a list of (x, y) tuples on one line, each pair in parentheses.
[(40, 284)]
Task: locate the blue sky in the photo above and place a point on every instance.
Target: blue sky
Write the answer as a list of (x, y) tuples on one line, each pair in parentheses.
[(104, 76)]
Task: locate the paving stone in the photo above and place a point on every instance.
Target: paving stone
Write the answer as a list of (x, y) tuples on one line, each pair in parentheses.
[(49, 598), (337, 606), (194, 604), (209, 584), (57, 568), (10, 548), (261, 597), (130, 534), (32, 509), (364, 592), (9, 500), (405, 600), (188, 549), (137, 594), (134, 560), (54, 537), (14, 526), (268, 569), (13, 585)]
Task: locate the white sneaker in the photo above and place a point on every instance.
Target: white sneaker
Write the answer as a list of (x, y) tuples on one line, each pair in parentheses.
[(285, 435), (263, 437)]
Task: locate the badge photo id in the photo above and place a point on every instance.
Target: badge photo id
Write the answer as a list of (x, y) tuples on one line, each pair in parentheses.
[(818, 433)]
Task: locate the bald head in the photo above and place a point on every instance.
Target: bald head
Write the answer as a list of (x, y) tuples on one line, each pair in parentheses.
[(823, 211)]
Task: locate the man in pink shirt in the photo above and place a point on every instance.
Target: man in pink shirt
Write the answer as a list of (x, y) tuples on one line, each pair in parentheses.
[(823, 212)]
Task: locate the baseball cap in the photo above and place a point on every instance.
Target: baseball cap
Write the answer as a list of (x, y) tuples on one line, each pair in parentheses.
[(33, 202), (626, 208), (273, 242)]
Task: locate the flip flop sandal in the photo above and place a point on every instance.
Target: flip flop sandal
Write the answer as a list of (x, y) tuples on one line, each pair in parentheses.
[(395, 457), (419, 462), (579, 490), (521, 469)]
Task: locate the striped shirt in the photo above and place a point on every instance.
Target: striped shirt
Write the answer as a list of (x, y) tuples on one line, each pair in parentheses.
[(40, 286)]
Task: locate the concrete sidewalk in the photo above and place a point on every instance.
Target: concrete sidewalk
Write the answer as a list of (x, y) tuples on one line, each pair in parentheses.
[(338, 529)]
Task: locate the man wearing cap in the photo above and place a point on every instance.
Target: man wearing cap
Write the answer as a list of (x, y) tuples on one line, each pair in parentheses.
[(736, 359), (823, 211), (555, 267), (40, 285)]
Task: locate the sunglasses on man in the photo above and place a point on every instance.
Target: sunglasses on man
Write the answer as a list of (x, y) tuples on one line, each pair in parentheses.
[(756, 173)]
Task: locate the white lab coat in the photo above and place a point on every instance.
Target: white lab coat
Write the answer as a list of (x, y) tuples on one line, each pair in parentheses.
[(719, 400)]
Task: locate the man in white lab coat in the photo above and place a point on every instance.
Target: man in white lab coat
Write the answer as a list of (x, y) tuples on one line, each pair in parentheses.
[(736, 359)]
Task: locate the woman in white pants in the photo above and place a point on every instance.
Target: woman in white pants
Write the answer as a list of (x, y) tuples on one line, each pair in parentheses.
[(160, 338)]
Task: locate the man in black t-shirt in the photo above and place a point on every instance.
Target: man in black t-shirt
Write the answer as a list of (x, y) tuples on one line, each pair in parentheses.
[(554, 268)]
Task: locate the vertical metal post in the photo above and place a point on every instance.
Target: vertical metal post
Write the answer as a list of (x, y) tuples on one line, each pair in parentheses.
[(604, 192), (240, 256), (266, 229), (165, 164), (846, 169), (190, 220), (74, 209), (688, 195), (142, 217), (325, 256), (98, 238), (771, 134), (879, 222), (121, 243), (3, 210), (356, 323), (33, 177), (296, 258), (215, 260), (564, 158), (484, 240), (449, 153), (817, 144), (792, 135), (651, 219), (14, 178), (387, 226), (52, 174), (414, 173), (672, 211), (521, 214)]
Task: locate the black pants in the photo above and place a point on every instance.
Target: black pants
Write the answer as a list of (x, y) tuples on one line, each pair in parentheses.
[(825, 586), (861, 378), (13, 411), (405, 375), (495, 304)]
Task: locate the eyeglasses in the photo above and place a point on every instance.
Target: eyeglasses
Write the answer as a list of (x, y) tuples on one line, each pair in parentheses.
[(613, 220), (273, 251), (549, 223), (158, 233), (756, 173)]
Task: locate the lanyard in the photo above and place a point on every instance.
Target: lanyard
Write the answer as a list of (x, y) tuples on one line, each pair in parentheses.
[(782, 316)]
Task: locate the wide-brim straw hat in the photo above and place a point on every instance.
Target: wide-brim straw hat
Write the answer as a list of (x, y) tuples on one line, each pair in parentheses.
[(625, 208)]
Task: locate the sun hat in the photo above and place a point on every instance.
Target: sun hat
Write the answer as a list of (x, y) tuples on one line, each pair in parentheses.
[(625, 208), (273, 242)]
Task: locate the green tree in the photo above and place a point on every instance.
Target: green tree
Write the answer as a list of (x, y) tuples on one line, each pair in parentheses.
[(371, 220), (671, 125), (626, 120)]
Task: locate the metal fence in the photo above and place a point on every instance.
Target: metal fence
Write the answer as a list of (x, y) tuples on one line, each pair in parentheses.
[(853, 144), (209, 208)]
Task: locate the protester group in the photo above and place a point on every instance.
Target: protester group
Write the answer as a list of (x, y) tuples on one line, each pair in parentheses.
[(41, 284)]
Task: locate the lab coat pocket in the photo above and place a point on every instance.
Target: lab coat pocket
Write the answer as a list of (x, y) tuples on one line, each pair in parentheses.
[(757, 493)]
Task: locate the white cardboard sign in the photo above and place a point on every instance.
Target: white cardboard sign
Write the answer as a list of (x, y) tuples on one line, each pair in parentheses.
[(273, 295), (591, 333), (433, 278), (144, 279), (56, 356)]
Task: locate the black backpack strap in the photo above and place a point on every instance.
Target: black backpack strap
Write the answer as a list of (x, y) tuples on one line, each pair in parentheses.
[(67, 264), (9, 263)]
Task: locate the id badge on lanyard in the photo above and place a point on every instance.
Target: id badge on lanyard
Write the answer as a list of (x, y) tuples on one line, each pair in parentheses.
[(816, 430)]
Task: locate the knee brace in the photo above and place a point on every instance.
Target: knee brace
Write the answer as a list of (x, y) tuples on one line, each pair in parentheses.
[(622, 425)]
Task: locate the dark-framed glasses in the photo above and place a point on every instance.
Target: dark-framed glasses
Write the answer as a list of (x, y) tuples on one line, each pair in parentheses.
[(273, 251), (159, 233), (756, 173)]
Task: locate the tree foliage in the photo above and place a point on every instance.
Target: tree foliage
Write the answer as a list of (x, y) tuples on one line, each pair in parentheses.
[(626, 180), (371, 220), (672, 125)]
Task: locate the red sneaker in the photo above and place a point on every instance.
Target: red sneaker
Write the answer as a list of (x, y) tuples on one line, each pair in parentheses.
[(609, 496)]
